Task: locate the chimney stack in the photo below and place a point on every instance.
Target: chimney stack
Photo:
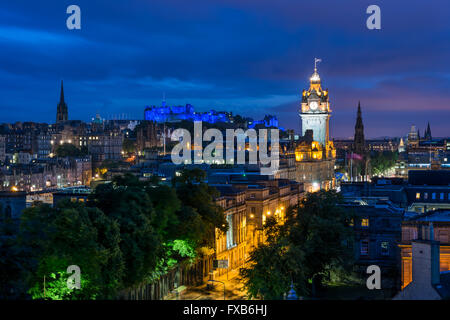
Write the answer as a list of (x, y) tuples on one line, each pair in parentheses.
[(425, 262)]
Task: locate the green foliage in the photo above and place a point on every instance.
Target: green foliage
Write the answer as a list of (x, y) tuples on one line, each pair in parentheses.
[(166, 204), (383, 161), (270, 272), (71, 234), (199, 215), (69, 150), (130, 206), (56, 287), (183, 248), (189, 177), (304, 250), (129, 146), (12, 262), (130, 231)]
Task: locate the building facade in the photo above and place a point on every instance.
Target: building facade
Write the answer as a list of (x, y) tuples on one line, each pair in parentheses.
[(434, 226)]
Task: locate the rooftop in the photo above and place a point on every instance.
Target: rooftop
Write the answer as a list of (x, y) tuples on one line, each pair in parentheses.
[(441, 215), (429, 177)]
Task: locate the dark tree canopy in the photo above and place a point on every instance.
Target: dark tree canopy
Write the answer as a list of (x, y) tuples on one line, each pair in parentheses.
[(315, 239), (70, 150)]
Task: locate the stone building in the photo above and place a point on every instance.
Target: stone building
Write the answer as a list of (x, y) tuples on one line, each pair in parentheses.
[(248, 202), (11, 204), (46, 173), (146, 135), (428, 190), (427, 281), (435, 226), (377, 229), (232, 245), (2, 148)]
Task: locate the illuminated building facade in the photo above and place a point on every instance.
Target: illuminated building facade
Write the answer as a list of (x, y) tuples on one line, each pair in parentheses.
[(435, 226), (231, 245), (247, 203)]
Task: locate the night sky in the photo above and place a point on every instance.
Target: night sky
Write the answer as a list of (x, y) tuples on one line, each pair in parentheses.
[(252, 57)]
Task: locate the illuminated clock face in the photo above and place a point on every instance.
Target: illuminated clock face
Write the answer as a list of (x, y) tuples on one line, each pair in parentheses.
[(313, 105)]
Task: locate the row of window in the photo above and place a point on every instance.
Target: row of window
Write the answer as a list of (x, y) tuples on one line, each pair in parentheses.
[(364, 248), (364, 222), (434, 196)]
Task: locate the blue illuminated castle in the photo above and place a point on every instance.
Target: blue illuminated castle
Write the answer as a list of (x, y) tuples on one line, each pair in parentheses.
[(166, 113), (178, 113), (268, 121)]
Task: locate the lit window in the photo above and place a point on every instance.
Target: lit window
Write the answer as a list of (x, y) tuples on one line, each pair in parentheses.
[(384, 248), (425, 195), (433, 196), (364, 247), (365, 222), (442, 196), (418, 195)]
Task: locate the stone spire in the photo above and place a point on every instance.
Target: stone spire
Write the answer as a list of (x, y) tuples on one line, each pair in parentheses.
[(61, 110), (61, 98), (359, 142), (428, 133)]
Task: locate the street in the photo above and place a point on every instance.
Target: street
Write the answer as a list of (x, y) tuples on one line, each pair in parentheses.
[(233, 290)]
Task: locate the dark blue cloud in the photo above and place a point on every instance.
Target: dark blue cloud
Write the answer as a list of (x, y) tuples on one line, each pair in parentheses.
[(253, 57)]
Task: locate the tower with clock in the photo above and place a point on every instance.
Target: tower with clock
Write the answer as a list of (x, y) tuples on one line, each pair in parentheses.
[(315, 109)]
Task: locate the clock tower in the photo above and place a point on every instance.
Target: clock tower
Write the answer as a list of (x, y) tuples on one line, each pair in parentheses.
[(315, 109)]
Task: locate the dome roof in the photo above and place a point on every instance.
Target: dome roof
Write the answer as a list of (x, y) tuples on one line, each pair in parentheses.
[(315, 77)]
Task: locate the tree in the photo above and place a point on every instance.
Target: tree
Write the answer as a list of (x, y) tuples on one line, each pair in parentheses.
[(315, 238), (128, 145), (270, 272), (126, 201), (321, 229), (381, 162), (12, 262), (199, 215), (69, 150), (70, 234)]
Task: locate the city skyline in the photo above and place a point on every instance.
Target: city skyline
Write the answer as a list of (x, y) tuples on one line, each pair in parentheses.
[(256, 65)]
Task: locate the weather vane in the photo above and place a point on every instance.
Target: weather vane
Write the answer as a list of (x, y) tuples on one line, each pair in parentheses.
[(315, 63)]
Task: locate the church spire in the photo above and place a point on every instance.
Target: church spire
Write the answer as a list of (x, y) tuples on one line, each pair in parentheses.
[(359, 142), (359, 123), (61, 110), (61, 98), (428, 133)]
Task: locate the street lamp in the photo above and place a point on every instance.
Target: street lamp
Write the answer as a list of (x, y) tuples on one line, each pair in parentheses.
[(223, 286)]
